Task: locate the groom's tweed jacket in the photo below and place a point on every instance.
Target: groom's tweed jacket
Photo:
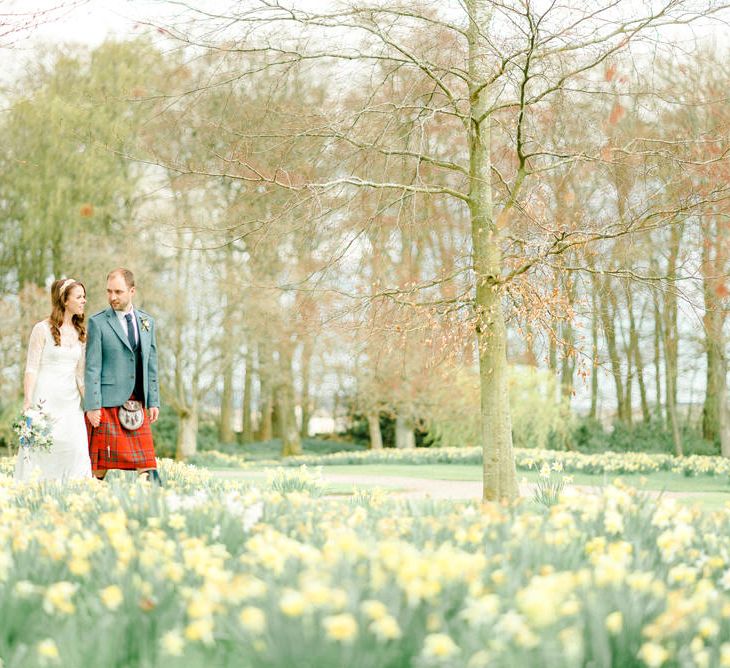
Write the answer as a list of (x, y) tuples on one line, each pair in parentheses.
[(111, 368)]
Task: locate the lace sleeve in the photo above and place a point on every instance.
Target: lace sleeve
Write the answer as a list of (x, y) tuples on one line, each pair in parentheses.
[(35, 349), (81, 369)]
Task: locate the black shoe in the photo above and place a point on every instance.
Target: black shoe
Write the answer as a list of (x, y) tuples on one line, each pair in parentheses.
[(154, 477)]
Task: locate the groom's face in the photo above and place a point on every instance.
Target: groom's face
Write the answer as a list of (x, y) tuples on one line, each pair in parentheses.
[(119, 293)]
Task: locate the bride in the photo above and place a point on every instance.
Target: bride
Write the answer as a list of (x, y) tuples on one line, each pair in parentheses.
[(54, 374)]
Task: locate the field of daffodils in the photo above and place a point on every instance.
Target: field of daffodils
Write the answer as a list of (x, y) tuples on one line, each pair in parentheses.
[(616, 463), (212, 573)]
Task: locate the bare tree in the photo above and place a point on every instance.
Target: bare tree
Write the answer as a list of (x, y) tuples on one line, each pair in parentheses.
[(19, 22), (494, 69)]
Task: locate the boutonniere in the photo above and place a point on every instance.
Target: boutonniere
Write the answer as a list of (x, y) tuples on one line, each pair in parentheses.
[(145, 324)]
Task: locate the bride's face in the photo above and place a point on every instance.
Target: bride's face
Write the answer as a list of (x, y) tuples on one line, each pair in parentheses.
[(75, 300)]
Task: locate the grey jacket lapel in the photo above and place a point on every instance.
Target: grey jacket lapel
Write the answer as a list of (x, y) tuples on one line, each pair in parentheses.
[(144, 336), (117, 327)]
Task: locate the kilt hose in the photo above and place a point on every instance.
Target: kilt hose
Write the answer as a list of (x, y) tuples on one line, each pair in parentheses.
[(111, 446)]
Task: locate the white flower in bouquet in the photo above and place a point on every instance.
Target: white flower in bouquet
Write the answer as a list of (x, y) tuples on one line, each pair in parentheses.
[(34, 429)]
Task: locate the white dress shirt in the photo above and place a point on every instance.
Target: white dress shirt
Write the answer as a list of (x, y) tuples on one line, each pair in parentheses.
[(121, 315)]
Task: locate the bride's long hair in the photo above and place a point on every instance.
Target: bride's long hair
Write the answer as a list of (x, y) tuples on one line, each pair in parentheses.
[(59, 298)]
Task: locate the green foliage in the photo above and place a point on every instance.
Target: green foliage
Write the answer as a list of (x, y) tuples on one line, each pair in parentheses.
[(540, 415), (550, 484), (208, 436), (302, 480), (539, 418), (67, 186), (8, 412), (359, 431), (272, 449), (588, 435), (215, 459), (164, 432), (455, 418)]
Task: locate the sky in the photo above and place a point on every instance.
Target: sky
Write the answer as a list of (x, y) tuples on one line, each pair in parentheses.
[(91, 21), (87, 22)]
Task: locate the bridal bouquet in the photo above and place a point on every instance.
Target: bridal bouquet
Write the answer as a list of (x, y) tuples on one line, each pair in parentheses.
[(34, 428)]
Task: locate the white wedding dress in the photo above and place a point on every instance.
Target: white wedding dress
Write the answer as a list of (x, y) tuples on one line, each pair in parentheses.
[(59, 377)]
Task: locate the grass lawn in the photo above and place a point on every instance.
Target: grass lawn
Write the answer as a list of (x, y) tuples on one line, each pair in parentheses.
[(709, 491), (661, 480)]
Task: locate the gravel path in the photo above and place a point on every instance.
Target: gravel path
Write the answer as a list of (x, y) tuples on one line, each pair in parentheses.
[(405, 487)]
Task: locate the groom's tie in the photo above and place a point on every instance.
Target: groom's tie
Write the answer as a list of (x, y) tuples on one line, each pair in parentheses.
[(130, 331)]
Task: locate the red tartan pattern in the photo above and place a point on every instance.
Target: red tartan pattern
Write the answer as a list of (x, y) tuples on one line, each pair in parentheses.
[(111, 446)]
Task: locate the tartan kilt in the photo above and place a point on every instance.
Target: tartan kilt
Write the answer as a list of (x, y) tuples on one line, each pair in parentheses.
[(111, 446)]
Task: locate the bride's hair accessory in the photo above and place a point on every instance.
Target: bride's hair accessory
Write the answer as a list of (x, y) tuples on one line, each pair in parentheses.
[(65, 284)]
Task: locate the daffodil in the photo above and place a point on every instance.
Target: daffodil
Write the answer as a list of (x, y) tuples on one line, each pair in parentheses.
[(341, 627), (440, 646), (47, 652), (614, 622), (253, 619), (112, 597), (173, 643)]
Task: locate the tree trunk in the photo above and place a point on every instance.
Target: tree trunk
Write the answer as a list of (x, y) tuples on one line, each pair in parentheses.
[(724, 423), (500, 478), (229, 345), (553, 335), (405, 437), (672, 403), (291, 441), (225, 428), (716, 373), (530, 354), (306, 381), (609, 331), (266, 429), (567, 363), (714, 321), (658, 328), (671, 343), (277, 422), (376, 436), (635, 354), (187, 433), (628, 410), (246, 433), (593, 412)]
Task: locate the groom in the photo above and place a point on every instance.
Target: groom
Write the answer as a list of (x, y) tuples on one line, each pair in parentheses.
[(121, 364)]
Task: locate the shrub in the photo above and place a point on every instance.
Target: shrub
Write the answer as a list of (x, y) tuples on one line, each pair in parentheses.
[(540, 415), (164, 432), (588, 435), (359, 431), (8, 413)]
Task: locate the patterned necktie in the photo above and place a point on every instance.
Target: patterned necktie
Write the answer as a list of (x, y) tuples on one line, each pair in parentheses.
[(130, 331)]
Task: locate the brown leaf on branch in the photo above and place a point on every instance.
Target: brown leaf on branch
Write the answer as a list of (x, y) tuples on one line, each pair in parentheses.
[(617, 113)]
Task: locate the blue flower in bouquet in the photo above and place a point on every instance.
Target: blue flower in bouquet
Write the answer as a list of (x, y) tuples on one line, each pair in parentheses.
[(34, 429)]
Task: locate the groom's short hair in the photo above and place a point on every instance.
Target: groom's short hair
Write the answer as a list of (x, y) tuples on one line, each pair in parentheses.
[(127, 275)]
